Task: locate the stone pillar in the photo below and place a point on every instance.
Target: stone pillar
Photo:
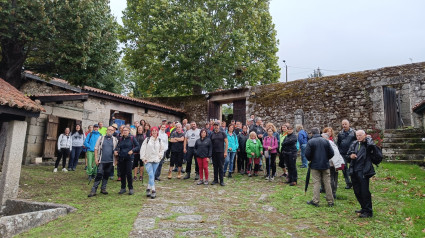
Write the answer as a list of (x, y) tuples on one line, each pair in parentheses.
[(12, 160), (299, 117)]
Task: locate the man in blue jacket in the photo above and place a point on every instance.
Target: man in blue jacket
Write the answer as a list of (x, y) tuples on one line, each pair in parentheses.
[(90, 143)]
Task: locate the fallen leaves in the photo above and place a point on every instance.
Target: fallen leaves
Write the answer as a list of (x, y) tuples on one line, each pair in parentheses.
[(408, 218)]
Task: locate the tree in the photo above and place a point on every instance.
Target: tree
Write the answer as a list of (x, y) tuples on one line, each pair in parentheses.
[(73, 40), (316, 74), (183, 47)]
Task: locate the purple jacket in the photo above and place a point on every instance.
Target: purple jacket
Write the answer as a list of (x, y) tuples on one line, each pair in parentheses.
[(272, 142)]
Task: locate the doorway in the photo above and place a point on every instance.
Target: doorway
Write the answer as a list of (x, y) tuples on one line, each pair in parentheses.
[(56, 126), (392, 108)]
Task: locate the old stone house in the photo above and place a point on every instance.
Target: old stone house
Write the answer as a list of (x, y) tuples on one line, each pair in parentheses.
[(66, 105)]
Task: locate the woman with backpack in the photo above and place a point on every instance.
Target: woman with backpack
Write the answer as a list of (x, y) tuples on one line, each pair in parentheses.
[(151, 153)]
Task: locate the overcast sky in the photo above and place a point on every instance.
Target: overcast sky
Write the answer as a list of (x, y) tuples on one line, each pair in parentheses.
[(342, 36)]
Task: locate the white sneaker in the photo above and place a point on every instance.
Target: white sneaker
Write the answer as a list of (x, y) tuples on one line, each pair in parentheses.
[(55, 170), (64, 170)]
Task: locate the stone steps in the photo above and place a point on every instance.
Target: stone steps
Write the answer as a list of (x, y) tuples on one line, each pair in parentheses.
[(404, 145)]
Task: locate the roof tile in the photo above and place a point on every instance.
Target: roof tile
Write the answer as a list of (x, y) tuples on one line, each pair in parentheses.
[(12, 97)]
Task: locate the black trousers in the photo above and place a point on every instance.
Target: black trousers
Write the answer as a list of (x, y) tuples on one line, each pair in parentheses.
[(334, 180), (218, 163), (189, 157), (273, 164), (64, 153), (103, 172), (242, 161), (361, 190), (290, 161), (126, 166), (345, 172)]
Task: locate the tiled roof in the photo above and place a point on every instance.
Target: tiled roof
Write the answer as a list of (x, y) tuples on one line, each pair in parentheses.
[(12, 97), (96, 90), (419, 106), (60, 94)]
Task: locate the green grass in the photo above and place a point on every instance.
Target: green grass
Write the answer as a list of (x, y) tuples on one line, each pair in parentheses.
[(109, 215), (398, 197), (398, 201)]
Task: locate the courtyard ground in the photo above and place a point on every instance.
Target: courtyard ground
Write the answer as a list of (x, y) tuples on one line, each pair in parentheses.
[(245, 207)]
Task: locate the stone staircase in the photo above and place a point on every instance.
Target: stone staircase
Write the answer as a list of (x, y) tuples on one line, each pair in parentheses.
[(404, 145)]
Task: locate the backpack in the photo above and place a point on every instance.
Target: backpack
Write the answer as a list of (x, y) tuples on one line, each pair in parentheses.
[(148, 138), (375, 154)]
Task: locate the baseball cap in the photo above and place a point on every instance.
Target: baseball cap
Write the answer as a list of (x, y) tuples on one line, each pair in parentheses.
[(95, 125)]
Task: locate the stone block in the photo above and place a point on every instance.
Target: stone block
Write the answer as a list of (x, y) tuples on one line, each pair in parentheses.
[(37, 160)]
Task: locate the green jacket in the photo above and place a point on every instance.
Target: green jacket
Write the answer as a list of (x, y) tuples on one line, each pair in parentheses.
[(256, 148)]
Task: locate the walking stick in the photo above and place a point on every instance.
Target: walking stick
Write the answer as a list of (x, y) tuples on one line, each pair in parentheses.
[(269, 158)]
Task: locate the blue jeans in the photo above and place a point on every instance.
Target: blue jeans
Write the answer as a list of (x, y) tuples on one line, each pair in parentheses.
[(75, 155), (303, 158), (151, 169), (229, 161)]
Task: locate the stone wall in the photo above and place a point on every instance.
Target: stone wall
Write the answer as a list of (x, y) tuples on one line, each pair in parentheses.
[(34, 88), (326, 101), (196, 106)]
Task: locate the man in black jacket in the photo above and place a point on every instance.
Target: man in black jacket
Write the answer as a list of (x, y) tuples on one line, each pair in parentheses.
[(318, 151), (289, 150), (345, 138), (361, 170), (125, 149)]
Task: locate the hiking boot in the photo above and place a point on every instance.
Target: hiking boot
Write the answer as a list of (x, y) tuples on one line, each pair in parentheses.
[(179, 175), (293, 184), (230, 175), (92, 194), (153, 195), (148, 192), (55, 170), (331, 204), (187, 176), (200, 182), (359, 211), (222, 184), (365, 215), (85, 168), (140, 178), (249, 174), (158, 179), (170, 175), (130, 192), (206, 182), (214, 182), (122, 191), (103, 191), (312, 203), (196, 176), (135, 178)]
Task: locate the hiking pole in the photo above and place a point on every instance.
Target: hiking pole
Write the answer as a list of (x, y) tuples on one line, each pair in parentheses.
[(269, 158)]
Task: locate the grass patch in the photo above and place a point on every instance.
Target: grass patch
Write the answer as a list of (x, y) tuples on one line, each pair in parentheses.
[(398, 202), (109, 215)]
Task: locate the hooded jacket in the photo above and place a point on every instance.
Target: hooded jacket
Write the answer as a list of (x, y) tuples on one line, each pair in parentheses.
[(255, 147), (91, 140), (233, 142), (152, 150), (65, 141)]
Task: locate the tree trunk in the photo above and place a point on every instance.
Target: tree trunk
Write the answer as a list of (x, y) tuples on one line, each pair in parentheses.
[(13, 58)]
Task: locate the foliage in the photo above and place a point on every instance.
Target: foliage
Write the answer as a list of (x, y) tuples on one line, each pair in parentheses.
[(73, 40), (316, 74), (377, 136), (184, 47)]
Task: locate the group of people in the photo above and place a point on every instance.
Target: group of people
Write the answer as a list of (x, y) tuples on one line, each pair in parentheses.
[(133, 148)]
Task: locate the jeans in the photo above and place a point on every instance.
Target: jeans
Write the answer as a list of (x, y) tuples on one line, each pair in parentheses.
[(103, 172), (64, 152), (75, 155), (91, 165), (158, 170), (126, 166), (303, 158), (229, 161), (151, 169)]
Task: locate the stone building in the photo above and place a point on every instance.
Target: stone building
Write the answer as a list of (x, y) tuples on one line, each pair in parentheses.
[(66, 105)]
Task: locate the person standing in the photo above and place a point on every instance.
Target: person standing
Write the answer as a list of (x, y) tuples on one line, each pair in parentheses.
[(219, 152), (203, 153), (138, 165), (89, 129), (177, 140), (191, 136), (164, 140), (254, 151), (336, 163), (78, 138), (319, 152), (64, 148), (289, 150), (125, 150), (231, 151), (282, 136), (302, 139), (345, 138), (104, 159), (102, 129), (151, 153), (270, 144), (242, 157), (90, 143), (361, 170)]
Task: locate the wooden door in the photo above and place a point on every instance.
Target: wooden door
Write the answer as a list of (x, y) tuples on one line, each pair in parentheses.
[(390, 108), (51, 137), (239, 110), (214, 110)]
